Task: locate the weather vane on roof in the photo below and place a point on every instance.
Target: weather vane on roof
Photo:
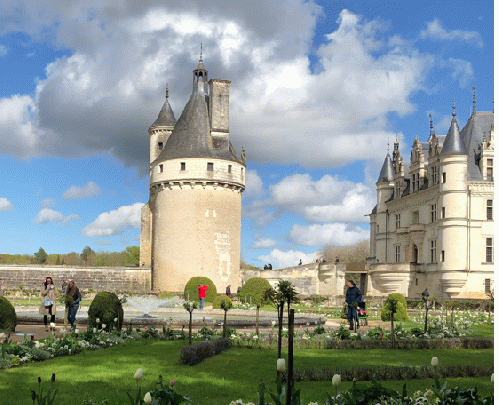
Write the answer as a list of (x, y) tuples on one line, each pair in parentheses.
[(201, 53), (166, 90), (474, 100)]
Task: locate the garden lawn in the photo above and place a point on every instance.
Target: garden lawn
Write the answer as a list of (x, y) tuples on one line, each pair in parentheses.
[(107, 373)]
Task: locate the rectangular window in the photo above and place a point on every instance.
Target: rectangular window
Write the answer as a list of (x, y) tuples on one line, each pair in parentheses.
[(444, 177), (413, 183), (433, 251), (489, 250), (182, 165), (487, 286), (489, 209), (210, 167), (490, 174), (397, 253), (160, 145), (161, 168), (433, 213), (417, 282), (415, 217), (230, 168), (443, 212), (443, 256), (397, 221), (435, 175)]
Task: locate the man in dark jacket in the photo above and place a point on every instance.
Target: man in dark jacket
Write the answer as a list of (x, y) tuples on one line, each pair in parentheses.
[(353, 294)]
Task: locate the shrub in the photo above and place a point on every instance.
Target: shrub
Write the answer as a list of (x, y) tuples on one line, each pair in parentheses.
[(106, 306), (166, 294), (401, 314), (222, 302), (254, 290), (196, 353), (8, 317), (191, 289)]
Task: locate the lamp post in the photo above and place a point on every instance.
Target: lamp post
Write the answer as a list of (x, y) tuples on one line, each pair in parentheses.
[(289, 382)]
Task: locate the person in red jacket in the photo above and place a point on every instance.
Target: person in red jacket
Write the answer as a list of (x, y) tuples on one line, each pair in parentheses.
[(202, 294)]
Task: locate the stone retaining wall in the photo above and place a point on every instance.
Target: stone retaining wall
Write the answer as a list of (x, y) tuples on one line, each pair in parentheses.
[(136, 279)]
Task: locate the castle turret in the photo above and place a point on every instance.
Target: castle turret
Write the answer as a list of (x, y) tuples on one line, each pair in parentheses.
[(453, 205), (195, 194), (161, 129)]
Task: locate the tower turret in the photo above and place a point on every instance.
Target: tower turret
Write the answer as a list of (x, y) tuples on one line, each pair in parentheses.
[(161, 129)]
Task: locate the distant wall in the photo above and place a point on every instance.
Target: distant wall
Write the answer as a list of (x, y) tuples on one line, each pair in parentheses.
[(137, 279)]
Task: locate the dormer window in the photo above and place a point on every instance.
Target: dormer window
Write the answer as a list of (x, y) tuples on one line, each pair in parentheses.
[(209, 167), (182, 165), (160, 145), (161, 168), (230, 169)]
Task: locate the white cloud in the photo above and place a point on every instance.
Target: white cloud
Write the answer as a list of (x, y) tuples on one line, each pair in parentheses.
[(88, 190), (327, 234), (5, 205), (47, 203), (69, 218), (280, 259), (254, 185), (461, 70), (263, 243), (436, 32), (122, 57), (47, 215), (114, 222), (3, 51)]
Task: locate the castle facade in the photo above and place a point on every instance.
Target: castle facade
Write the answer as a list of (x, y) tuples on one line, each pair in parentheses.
[(191, 225), (433, 225)]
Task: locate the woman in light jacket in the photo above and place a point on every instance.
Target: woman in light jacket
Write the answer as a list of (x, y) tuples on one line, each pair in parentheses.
[(48, 292)]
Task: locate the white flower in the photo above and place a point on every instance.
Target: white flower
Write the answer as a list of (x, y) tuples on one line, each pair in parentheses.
[(116, 320), (336, 380), (37, 344), (138, 375), (281, 365), (97, 320), (52, 324), (147, 398), (2, 335), (434, 361), (63, 330), (103, 325), (255, 337), (77, 331), (95, 330), (273, 323)]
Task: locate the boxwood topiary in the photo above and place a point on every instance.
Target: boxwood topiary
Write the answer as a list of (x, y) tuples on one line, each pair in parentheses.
[(401, 314), (106, 306), (191, 289), (255, 289), (8, 317), (217, 302)]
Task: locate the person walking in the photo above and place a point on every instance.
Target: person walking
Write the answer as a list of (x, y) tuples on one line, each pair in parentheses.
[(73, 291), (227, 291), (47, 306), (352, 295), (202, 294)]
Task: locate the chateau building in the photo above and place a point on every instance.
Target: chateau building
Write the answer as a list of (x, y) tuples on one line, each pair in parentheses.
[(433, 225), (191, 225)]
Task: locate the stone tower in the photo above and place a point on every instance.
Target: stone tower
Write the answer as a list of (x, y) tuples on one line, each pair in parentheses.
[(191, 225)]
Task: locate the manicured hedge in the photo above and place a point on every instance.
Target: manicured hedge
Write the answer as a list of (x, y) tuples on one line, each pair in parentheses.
[(196, 353), (253, 290), (453, 343), (401, 314), (106, 306), (8, 317), (191, 289), (217, 302)]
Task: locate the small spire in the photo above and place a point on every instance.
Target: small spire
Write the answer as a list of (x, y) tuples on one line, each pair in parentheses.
[(201, 53), (388, 144), (431, 125), (454, 109), (474, 100), (167, 91)]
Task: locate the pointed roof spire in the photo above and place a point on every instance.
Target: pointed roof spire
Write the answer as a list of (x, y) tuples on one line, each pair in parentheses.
[(474, 100), (200, 63), (453, 144), (166, 118), (386, 174), (432, 132)]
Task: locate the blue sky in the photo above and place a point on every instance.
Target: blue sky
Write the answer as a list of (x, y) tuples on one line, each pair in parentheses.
[(318, 89)]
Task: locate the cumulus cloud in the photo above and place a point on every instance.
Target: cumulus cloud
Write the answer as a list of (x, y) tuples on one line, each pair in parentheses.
[(48, 215), (113, 81), (5, 205), (47, 203), (461, 70), (336, 234), (114, 222), (3, 51), (436, 32), (254, 185), (288, 258), (88, 190), (263, 243)]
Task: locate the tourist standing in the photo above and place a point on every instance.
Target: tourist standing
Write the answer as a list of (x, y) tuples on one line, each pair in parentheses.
[(47, 306), (202, 294), (74, 292), (352, 295), (227, 291)]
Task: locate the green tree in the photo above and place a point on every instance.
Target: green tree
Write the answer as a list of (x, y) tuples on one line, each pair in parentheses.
[(58, 260), (255, 289), (40, 256), (87, 254), (132, 254)]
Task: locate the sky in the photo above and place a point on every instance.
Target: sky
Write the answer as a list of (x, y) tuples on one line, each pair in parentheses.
[(320, 90)]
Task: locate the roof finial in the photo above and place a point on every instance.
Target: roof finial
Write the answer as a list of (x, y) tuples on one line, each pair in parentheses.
[(388, 144), (474, 100), (454, 109), (167, 90), (201, 53), (431, 124)]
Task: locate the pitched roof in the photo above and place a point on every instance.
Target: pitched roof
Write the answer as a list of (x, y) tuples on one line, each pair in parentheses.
[(453, 144), (386, 174), (166, 117)]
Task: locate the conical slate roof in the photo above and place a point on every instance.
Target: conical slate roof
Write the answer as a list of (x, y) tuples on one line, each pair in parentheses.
[(386, 174), (453, 144), (165, 117)]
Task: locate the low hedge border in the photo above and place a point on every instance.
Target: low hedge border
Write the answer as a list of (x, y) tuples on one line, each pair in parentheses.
[(452, 343), (196, 353), (386, 373)]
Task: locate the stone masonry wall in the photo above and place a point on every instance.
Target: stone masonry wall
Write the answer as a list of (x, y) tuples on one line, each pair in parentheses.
[(99, 278)]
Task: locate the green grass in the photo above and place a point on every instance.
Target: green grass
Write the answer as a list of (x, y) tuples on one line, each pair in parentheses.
[(105, 374)]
